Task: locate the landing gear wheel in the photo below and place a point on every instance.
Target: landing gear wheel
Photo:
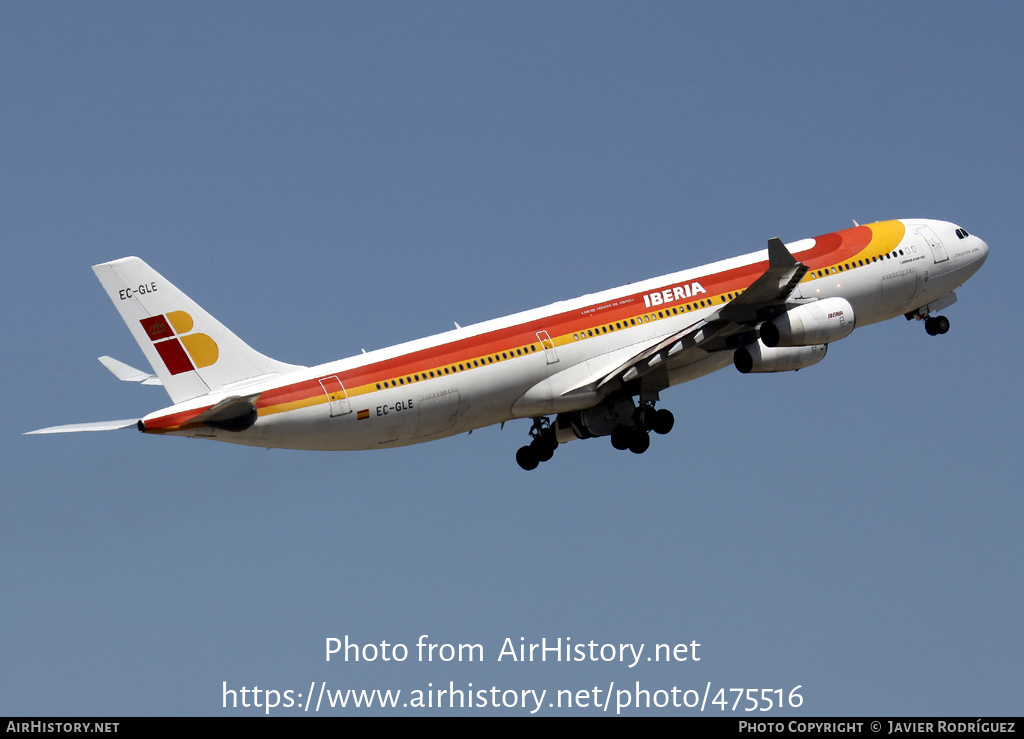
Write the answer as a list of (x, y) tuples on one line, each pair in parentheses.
[(543, 449), (639, 442), (936, 325), (527, 458), (621, 436), (663, 421), (644, 417)]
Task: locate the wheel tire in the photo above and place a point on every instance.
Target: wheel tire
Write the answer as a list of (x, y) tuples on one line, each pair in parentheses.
[(663, 421), (931, 327), (542, 449), (527, 458), (640, 442), (621, 436), (942, 324)]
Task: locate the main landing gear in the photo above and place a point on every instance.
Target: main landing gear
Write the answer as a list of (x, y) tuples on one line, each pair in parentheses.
[(628, 426), (541, 449), (637, 437)]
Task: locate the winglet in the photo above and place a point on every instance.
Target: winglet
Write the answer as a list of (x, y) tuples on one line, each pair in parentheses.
[(778, 254)]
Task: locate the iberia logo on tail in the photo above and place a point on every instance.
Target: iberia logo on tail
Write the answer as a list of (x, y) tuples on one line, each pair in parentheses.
[(181, 351)]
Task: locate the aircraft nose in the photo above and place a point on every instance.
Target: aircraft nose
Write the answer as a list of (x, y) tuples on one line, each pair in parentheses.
[(980, 260)]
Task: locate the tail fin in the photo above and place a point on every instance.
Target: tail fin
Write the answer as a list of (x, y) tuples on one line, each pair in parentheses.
[(191, 351)]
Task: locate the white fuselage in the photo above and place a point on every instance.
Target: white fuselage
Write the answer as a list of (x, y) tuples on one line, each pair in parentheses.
[(488, 373)]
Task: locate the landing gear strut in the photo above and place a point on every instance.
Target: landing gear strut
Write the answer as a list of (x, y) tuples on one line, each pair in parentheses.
[(541, 449)]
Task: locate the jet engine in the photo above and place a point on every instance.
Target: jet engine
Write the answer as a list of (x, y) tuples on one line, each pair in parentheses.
[(757, 357), (820, 322)]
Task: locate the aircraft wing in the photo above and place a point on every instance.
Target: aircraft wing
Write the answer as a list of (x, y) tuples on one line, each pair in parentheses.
[(769, 292), (731, 326)]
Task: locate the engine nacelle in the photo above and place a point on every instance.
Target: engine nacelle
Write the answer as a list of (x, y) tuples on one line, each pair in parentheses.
[(820, 322), (757, 357)]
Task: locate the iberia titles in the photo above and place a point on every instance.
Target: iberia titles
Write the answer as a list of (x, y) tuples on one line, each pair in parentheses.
[(672, 294)]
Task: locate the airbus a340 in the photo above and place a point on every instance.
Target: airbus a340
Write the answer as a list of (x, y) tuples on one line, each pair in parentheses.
[(593, 366)]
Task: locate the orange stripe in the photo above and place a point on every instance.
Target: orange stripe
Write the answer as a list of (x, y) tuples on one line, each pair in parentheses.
[(828, 250)]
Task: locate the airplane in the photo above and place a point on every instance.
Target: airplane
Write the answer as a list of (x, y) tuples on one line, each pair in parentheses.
[(589, 367)]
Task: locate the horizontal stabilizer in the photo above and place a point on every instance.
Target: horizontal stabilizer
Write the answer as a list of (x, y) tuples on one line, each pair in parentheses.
[(127, 373), (97, 426)]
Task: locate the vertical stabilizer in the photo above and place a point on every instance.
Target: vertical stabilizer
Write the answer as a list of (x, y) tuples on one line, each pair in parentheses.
[(191, 351)]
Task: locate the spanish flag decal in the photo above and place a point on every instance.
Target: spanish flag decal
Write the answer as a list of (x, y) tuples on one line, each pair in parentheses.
[(363, 414), (180, 350)]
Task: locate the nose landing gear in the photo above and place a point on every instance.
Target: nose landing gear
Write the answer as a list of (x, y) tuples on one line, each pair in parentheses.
[(936, 325), (933, 324)]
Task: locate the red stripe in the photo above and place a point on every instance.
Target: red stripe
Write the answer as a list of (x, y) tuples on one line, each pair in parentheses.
[(828, 249)]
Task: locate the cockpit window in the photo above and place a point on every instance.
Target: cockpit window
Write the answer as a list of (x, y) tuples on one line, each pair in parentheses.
[(961, 233)]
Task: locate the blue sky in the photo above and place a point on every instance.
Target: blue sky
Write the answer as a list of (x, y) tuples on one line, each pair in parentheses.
[(330, 177)]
